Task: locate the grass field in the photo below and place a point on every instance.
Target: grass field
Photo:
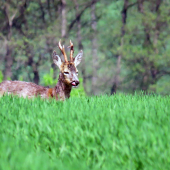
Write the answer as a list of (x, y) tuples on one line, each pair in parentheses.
[(121, 132)]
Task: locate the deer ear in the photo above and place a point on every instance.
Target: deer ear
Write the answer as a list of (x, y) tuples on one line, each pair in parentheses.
[(56, 59), (78, 58)]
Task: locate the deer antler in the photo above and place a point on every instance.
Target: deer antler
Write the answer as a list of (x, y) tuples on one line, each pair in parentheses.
[(63, 51), (71, 51)]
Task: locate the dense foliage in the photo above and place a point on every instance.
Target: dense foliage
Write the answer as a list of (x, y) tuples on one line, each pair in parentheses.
[(118, 132), (126, 43)]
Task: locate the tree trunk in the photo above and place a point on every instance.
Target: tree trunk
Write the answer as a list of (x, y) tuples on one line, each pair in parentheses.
[(117, 78), (8, 63), (94, 47), (63, 19), (34, 65), (36, 78), (149, 76), (80, 45), (8, 56), (118, 66), (153, 69)]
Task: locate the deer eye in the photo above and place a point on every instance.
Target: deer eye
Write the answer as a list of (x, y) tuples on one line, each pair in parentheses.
[(66, 72)]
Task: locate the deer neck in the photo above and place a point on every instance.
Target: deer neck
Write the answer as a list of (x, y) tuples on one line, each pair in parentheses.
[(62, 89)]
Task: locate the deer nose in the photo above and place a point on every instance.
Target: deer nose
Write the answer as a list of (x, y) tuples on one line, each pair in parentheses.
[(75, 83)]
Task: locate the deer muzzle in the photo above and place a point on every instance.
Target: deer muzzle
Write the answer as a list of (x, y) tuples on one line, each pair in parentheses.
[(75, 83)]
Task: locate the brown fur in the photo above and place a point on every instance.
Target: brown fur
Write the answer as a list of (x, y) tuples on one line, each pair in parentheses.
[(50, 93)]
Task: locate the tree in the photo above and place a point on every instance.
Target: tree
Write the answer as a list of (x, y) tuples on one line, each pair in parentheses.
[(126, 43), (9, 12), (94, 47), (144, 52)]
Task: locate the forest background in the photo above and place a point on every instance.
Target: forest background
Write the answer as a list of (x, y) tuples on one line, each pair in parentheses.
[(126, 43)]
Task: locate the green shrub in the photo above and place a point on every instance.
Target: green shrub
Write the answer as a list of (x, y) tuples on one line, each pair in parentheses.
[(48, 79), (21, 78), (78, 92)]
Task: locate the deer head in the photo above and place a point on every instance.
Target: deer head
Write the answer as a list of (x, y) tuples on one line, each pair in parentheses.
[(68, 70)]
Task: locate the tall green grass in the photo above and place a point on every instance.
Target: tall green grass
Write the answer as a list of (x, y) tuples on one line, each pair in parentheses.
[(121, 132)]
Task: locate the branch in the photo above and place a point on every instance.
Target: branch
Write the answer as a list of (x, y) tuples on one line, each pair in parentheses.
[(131, 5), (80, 14), (164, 72), (10, 19), (42, 11), (2, 37), (158, 3)]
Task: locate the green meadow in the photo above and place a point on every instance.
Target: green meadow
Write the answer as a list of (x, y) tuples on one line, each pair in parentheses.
[(120, 132)]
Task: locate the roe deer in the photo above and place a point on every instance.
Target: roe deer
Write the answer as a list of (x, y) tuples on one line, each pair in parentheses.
[(68, 78)]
